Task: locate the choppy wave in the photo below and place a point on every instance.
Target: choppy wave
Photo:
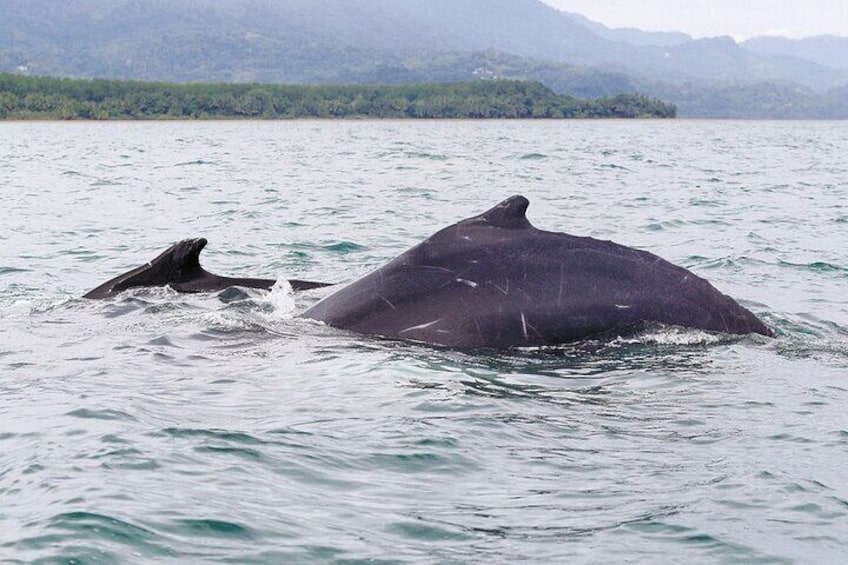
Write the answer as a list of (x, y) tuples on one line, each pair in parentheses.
[(220, 427)]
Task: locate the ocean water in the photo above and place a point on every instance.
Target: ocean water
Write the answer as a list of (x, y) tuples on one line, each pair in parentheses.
[(220, 428)]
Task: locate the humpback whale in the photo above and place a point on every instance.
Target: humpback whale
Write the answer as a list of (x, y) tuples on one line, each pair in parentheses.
[(179, 268), (495, 281), (492, 281)]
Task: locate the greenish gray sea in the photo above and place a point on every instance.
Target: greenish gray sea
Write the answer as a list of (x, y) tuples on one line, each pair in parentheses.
[(214, 428)]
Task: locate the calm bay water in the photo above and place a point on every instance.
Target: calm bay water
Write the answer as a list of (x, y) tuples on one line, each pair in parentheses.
[(220, 428)]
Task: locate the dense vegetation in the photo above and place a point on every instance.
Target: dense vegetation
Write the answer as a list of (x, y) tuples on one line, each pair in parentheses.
[(27, 97), (331, 42)]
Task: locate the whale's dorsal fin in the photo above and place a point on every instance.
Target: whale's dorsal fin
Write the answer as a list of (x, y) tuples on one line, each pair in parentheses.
[(509, 214), (180, 261), (179, 267)]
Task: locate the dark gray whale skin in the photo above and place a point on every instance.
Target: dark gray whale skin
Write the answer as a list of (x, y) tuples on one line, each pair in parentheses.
[(495, 281), (179, 268)]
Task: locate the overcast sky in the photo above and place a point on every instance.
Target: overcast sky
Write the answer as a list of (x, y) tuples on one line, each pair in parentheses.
[(708, 18)]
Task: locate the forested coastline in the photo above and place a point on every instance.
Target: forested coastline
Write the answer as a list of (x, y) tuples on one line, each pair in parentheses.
[(99, 99)]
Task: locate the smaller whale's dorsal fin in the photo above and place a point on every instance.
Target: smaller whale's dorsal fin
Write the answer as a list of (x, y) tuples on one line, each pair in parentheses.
[(179, 267), (509, 214), (181, 260), (178, 263)]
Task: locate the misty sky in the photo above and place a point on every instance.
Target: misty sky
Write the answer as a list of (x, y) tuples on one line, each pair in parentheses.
[(708, 18)]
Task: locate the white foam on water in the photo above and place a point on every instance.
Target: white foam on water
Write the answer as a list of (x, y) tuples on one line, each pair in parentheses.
[(282, 299)]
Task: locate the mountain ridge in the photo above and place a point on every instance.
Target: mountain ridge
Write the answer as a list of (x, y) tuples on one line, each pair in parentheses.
[(396, 41)]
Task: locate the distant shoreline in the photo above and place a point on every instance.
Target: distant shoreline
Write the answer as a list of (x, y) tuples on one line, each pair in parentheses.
[(43, 98)]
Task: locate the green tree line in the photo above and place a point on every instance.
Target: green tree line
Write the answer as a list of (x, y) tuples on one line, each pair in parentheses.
[(99, 99)]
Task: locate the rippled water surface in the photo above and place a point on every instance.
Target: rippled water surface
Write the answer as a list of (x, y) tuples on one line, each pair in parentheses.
[(221, 428)]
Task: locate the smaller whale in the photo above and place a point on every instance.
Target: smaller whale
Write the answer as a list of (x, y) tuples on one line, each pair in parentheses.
[(178, 267)]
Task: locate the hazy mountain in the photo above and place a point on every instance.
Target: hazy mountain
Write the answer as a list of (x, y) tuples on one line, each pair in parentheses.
[(827, 50), (632, 36), (817, 63), (134, 37), (389, 41)]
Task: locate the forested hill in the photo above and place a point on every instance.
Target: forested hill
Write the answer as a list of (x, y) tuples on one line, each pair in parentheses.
[(410, 41), (28, 98)]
